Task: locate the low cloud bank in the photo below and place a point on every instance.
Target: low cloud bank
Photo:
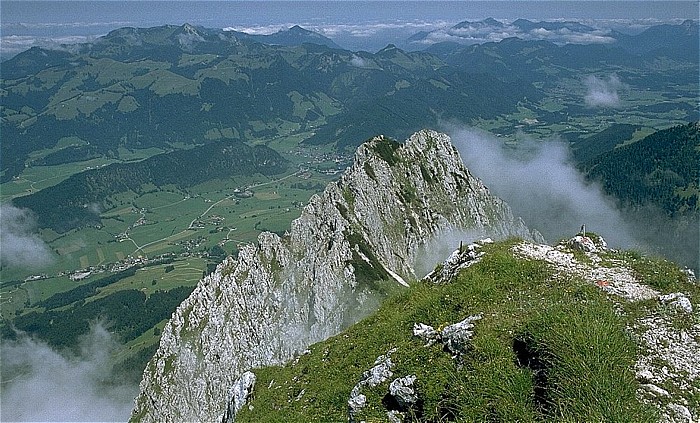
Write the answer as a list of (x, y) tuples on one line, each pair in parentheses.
[(20, 246), (40, 384), (542, 186), (479, 33), (14, 44)]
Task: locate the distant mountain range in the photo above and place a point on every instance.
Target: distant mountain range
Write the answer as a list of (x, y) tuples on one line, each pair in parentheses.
[(153, 87), (681, 39), (171, 86), (295, 35)]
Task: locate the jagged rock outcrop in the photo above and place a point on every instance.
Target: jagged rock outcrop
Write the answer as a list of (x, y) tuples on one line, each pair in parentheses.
[(379, 373), (239, 393), (285, 293)]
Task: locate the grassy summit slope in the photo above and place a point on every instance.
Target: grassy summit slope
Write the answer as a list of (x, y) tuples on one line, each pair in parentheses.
[(550, 346)]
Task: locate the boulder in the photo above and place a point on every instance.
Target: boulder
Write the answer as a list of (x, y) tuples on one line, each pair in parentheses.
[(402, 391), (456, 337)]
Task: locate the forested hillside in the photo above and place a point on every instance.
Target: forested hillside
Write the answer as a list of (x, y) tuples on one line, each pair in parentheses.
[(156, 87), (586, 148), (661, 169)]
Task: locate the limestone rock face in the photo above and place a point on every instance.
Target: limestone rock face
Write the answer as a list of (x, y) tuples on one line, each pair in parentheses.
[(285, 293)]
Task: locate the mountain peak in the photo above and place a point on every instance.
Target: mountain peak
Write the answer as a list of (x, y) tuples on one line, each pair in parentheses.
[(297, 28), (295, 35), (390, 49), (486, 23), (189, 29), (359, 240)]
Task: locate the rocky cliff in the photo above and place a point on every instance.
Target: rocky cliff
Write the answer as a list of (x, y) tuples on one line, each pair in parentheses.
[(351, 245)]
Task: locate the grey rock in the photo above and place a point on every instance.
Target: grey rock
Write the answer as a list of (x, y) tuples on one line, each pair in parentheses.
[(356, 403), (680, 413), (402, 390), (677, 300), (655, 390), (426, 333), (238, 395), (394, 416), (379, 373), (456, 337), (690, 276), (582, 243), (458, 260), (645, 375)]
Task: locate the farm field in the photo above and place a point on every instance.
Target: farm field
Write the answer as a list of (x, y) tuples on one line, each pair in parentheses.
[(166, 221), (651, 109)]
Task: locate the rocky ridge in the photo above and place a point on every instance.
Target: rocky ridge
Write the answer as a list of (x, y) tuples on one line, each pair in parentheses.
[(285, 293), (669, 352), (656, 301)]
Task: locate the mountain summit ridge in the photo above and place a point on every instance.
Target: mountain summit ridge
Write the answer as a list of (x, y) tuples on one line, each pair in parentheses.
[(352, 245), (505, 331)]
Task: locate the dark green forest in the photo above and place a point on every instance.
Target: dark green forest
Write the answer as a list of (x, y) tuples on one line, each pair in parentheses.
[(661, 169), (587, 148), (127, 313)]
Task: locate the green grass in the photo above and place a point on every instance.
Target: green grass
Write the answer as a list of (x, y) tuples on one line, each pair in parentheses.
[(187, 272), (36, 178), (528, 315)]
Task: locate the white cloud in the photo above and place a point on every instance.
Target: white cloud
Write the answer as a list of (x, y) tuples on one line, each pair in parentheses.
[(14, 44), (602, 92), (482, 33), (259, 30), (20, 246), (40, 384), (542, 186), (358, 61)]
